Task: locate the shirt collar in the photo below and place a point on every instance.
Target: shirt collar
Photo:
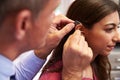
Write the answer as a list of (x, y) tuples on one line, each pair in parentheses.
[(6, 66)]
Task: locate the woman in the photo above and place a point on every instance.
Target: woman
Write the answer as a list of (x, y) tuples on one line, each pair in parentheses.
[(100, 21)]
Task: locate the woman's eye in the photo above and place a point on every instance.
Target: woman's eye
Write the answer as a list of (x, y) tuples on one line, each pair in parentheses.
[(118, 28), (110, 28)]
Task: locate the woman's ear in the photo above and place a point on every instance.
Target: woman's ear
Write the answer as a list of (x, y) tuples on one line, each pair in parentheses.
[(23, 22), (80, 27)]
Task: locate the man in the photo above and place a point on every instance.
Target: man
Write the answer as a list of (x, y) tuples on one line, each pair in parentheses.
[(24, 26), (29, 63)]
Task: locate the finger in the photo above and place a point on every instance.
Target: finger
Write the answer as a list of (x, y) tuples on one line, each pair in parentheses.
[(74, 39), (52, 29), (66, 30), (81, 43), (62, 19), (90, 54), (85, 43), (76, 35)]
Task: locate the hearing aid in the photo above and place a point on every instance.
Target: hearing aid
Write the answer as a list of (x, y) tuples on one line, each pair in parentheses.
[(76, 22), (78, 26)]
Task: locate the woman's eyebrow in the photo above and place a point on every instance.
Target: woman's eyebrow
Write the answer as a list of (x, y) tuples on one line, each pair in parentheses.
[(111, 24)]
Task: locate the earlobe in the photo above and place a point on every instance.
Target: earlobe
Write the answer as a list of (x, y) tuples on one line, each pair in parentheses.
[(22, 23)]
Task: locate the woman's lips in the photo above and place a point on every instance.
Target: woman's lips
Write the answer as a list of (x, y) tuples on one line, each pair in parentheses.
[(110, 48)]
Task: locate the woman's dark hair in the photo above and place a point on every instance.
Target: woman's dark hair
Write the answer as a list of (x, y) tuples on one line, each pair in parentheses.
[(88, 12)]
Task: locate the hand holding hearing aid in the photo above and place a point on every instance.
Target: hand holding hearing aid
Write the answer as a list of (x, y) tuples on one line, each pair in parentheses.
[(55, 35), (76, 54)]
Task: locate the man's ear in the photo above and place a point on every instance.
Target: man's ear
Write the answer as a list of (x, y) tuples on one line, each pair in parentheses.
[(23, 22)]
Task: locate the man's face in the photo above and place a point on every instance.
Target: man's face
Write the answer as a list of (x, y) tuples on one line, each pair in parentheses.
[(41, 25)]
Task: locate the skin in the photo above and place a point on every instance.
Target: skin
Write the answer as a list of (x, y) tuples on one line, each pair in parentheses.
[(42, 24), (23, 33), (38, 33), (104, 35), (83, 49), (54, 35)]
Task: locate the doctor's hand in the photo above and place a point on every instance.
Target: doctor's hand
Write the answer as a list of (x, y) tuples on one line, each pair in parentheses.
[(60, 26), (76, 56)]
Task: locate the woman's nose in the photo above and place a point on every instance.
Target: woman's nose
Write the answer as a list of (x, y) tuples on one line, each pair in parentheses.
[(117, 36)]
